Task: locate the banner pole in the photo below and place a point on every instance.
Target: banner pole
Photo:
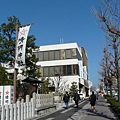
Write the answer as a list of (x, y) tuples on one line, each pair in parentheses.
[(15, 70)]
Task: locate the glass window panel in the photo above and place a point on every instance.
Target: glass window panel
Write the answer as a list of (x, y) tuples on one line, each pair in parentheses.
[(51, 55), (57, 70), (72, 69), (41, 56), (68, 54), (74, 53), (62, 54), (45, 71), (69, 70), (64, 70), (75, 69), (61, 70), (57, 55), (45, 56), (51, 71)]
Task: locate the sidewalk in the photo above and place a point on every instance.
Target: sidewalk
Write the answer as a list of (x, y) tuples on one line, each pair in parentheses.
[(102, 112), (61, 105)]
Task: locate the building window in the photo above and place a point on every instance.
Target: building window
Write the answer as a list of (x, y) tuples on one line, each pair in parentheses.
[(45, 72), (40, 56), (61, 70), (62, 54), (45, 56), (69, 70), (57, 55), (74, 53), (75, 69), (57, 70), (64, 70), (68, 54), (51, 55), (51, 71)]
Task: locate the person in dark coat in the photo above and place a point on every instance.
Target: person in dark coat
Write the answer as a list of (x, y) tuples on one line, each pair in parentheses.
[(66, 98), (76, 98), (92, 101)]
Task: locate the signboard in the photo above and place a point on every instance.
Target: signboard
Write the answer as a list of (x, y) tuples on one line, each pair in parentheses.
[(1, 95), (8, 95)]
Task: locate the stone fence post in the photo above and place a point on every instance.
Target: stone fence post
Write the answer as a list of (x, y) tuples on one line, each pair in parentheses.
[(27, 98)]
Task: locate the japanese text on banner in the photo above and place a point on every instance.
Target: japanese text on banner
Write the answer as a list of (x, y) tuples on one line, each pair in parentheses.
[(21, 47)]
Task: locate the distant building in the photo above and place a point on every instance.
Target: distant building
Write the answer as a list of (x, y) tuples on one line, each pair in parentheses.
[(65, 62)]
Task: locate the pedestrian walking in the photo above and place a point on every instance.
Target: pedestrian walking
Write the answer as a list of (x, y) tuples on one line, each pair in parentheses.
[(66, 98), (76, 98), (92, 99)]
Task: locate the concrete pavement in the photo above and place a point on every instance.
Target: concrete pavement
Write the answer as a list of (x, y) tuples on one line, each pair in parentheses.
[(102, 112)]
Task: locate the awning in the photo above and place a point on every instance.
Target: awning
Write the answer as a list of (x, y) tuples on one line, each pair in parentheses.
[(32, 80)]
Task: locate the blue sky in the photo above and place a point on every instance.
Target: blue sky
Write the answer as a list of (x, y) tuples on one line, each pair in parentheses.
[(70, 20)]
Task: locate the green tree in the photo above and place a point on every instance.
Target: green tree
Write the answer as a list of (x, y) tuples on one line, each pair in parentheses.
[(73, 88), (108, 15), (7, 39), (3, 77), (7, 46), (44, 87), (7, 49)]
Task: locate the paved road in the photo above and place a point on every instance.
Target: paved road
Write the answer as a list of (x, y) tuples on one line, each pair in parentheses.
[(84, 112), (64, 114)]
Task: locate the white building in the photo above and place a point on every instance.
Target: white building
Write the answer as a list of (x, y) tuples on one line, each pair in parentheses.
[(64, 62)]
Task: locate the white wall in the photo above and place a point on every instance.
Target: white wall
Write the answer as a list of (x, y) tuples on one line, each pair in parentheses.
[(57, 62)]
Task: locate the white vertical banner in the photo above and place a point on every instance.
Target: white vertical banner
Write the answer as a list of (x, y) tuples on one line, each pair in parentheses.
[(21, 47)]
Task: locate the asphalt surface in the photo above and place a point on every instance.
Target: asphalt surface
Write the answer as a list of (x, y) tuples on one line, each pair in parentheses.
[(64, 114), (84, 112)]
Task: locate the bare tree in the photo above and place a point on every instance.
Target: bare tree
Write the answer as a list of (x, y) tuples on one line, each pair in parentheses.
[(109, 18), (115, 44), (108, 70), (59, 81)]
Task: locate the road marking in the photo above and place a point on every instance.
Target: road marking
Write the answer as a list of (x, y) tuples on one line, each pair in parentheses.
[(66, 110), (50, 119), (70, 108)]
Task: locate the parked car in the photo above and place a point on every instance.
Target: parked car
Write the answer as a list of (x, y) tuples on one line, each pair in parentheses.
[(82, 96)]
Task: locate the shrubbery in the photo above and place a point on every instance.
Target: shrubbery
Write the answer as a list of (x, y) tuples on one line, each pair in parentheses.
[(115, 105)]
